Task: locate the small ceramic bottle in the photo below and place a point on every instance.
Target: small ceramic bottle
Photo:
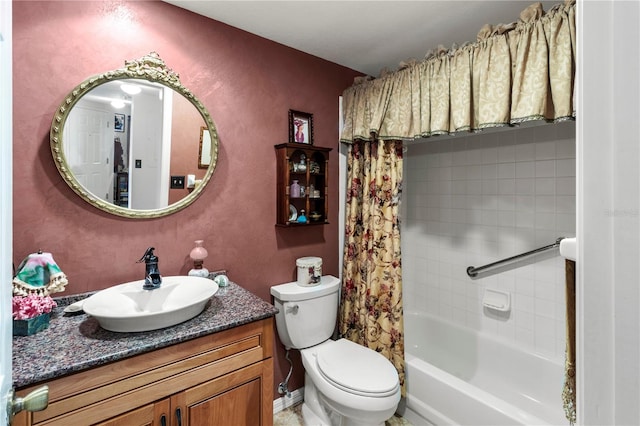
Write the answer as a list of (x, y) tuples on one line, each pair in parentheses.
[(295, 189), (302, 218)]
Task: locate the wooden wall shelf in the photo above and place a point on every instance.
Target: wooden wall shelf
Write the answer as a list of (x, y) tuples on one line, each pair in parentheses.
[(309, 167)]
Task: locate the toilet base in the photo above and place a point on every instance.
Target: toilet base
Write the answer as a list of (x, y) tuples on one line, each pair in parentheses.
[(316, 412), (310, 418), (313, 413)]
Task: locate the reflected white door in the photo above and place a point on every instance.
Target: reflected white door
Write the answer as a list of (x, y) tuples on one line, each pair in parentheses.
[(6, 207), (91, 162)]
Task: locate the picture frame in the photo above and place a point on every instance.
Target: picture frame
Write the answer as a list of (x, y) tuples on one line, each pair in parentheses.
[(118, 123), (300, 127), (204, 152)]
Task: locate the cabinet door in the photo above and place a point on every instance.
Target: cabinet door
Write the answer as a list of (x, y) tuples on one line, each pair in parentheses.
[(234, 399), (156, 414), (238, 406)]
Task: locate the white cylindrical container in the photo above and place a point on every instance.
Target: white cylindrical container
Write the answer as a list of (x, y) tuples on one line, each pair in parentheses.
[(309, 271)]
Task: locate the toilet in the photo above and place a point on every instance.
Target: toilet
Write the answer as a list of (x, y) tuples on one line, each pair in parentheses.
[(345, 383)]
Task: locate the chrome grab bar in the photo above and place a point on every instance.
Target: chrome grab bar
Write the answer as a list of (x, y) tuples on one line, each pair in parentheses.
[(473, 271)]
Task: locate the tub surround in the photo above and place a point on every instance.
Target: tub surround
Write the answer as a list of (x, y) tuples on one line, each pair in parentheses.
[(474, 199), (75, 342)]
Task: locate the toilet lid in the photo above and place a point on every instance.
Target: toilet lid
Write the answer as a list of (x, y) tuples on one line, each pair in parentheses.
[(357, 369)]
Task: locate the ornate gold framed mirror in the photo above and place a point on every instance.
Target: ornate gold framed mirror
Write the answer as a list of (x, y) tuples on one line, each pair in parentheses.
[(123, 139)]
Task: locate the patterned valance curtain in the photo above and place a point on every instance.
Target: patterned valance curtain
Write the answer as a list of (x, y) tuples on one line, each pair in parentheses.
[(512, 74)]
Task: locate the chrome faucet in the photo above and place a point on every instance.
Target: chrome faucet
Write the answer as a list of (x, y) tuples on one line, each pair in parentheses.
[(152, 278)]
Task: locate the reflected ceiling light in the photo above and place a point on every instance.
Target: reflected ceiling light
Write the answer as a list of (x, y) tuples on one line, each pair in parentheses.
[(130, 89), (117, 103)]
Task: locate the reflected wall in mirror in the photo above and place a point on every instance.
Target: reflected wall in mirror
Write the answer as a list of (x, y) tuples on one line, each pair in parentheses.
[(118, 137)]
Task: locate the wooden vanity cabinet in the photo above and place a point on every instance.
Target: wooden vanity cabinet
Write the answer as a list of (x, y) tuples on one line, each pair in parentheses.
[(308, 165), (224, 378)]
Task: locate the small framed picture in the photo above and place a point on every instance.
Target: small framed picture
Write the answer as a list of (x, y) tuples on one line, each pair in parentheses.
[(118, 125), (300, 127), (204, 152)]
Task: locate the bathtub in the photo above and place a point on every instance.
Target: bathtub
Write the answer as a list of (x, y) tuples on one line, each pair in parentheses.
[(456, 376)]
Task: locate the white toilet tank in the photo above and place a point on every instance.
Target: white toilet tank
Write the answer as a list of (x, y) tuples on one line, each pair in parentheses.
[(306, 315)]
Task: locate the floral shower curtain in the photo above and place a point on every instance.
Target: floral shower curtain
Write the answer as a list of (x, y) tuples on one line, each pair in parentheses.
[(371, 297)]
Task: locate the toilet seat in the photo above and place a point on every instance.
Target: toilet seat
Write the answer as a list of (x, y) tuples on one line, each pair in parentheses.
[(356, 369)]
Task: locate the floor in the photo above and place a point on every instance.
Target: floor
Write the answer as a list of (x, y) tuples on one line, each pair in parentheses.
[(293, 417)]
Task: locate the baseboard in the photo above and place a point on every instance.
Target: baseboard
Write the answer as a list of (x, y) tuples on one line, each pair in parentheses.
[(288, 401)]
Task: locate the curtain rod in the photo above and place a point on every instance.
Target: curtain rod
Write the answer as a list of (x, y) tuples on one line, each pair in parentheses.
[(473, 271)]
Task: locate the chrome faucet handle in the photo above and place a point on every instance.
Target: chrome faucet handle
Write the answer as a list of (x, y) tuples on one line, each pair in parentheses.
[(147, 255), (152, 277)]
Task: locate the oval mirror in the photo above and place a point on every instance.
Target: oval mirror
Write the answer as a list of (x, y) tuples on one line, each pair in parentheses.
[(134, 141)]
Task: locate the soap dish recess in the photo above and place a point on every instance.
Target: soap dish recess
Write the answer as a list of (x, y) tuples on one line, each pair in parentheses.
[(496, 300)]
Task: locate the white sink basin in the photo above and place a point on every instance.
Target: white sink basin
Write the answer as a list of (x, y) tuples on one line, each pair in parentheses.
[(128, 308)]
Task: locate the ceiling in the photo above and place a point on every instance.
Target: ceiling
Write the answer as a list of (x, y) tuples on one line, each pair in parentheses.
[(363, 35)]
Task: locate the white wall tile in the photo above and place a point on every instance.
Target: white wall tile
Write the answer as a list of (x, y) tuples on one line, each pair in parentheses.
[(458, 173), (566, 186), (566, 148), (545, 150), (490, 155), (545, 204), (446, 159), (506, 186), (526, 186), (566, 204), (525, 152), (566, 224), (545, 221), (474, 187), (507, 219), (525, 169), (545, 186), (474, 172), (459, 158), (490, 171), (566, 167), (525, 203), (507, 153), (506, 170), (489, 187), (506, 202), (546, 168), (525, 219)]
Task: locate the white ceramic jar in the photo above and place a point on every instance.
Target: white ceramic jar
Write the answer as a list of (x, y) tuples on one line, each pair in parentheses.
[(309, 270)]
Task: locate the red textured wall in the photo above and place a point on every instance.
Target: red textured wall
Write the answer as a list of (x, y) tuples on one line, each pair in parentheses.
[(247, 83)]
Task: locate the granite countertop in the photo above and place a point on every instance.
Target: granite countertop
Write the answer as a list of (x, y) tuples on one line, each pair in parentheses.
[(75, 342)]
